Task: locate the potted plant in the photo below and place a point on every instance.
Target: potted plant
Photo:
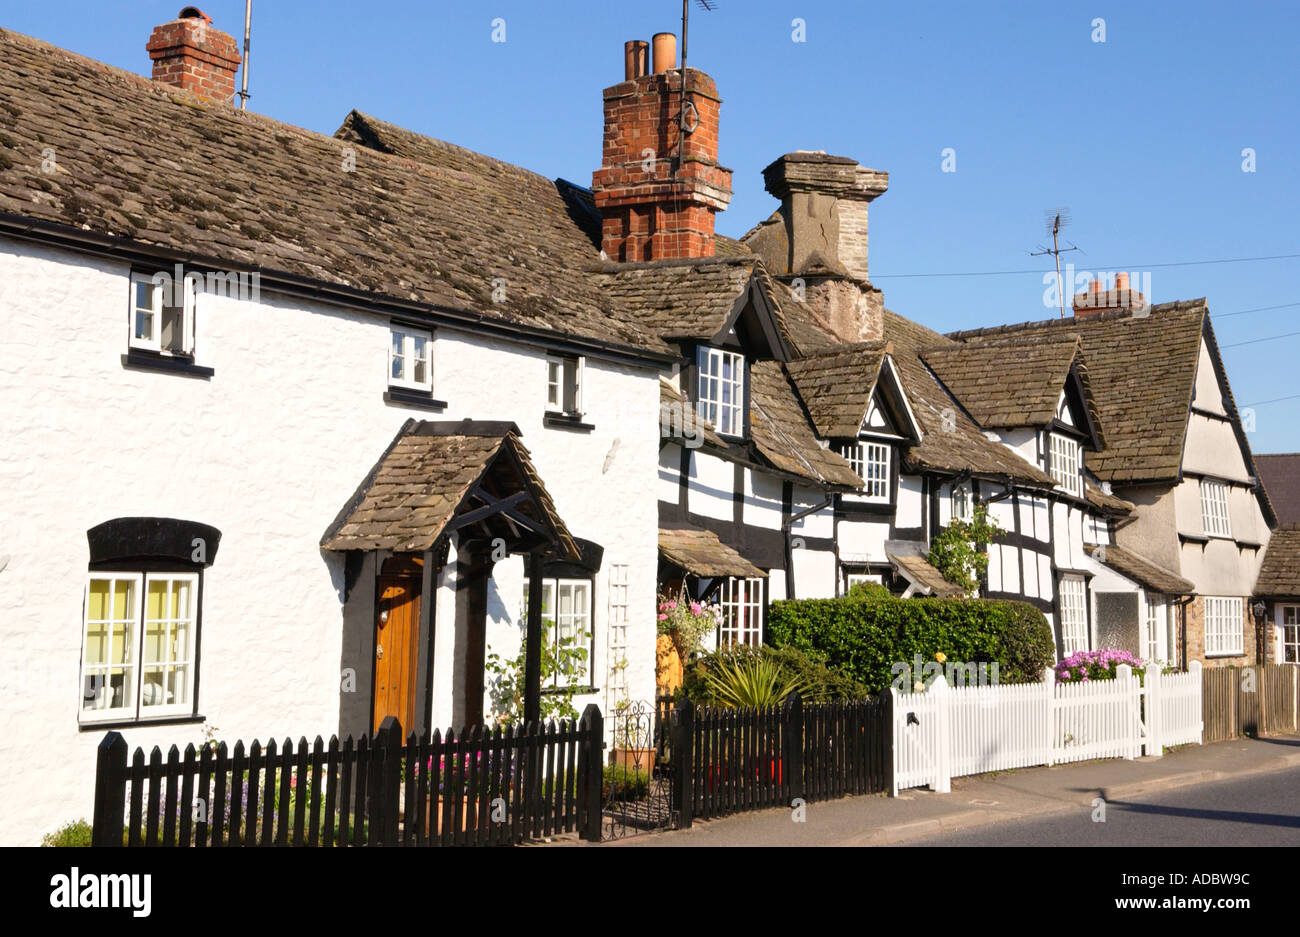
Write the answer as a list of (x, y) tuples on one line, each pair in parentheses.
[(683, 625)]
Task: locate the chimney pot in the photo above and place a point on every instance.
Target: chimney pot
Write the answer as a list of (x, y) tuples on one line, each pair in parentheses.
[(665, 51), (1121, 281), (636, 53), (189, 54)]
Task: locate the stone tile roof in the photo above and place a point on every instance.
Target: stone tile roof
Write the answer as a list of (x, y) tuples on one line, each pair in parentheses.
[(1141, 570), (678, 299), (1142, 372), (917, 569), (1007, 384), (781, 431), (836, 386), (951, 441), (701, 553), (417, 220), (425, 478), (1109, 504), (1279, 574), (1280, 473), (673, 412)]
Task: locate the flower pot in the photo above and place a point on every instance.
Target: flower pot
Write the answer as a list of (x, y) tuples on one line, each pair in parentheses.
[(433, 815), (633, 759)]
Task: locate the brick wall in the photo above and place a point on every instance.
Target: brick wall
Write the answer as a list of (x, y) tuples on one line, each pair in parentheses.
[(192, 55), (1196, 636)]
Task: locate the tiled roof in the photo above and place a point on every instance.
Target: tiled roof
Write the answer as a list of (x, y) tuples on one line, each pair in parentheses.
[(1141, 570), (417, 220), (782, 433), (675, 410), (805, 331), (1142, 371), (701, 553), (678, 299), (1280, 473), (1110, 504), (426, 476), (836, 386), (951, 442), (917, 569), (1006, 384), (1280, 572)]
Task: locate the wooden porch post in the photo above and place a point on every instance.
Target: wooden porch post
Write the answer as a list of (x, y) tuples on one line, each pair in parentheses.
[(533, 658)]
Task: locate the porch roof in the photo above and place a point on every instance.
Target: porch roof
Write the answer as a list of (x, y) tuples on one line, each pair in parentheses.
[(701, 553), (1280, 572), (438, 477), (1141, 570), (917, 570)]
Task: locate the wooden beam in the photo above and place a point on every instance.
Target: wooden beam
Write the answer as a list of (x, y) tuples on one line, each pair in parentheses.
[(492, 507), (533, 648)]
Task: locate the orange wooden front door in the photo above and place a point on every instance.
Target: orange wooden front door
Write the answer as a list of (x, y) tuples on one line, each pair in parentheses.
[(397, 631)]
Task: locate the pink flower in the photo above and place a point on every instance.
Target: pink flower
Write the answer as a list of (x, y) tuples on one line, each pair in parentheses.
[(672, 604), (663, 617), (695, 608)]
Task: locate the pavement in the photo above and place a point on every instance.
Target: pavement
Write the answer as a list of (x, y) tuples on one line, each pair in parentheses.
[(879, 820)]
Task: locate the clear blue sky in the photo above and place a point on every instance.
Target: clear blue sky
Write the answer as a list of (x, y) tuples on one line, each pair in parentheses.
[(1141, 136)]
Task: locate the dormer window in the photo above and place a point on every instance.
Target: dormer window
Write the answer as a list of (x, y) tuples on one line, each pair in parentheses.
[(871, 461), (564, 385), (1063, 453), (162, 314), (1214, 508), (720, 390), (410, 359)]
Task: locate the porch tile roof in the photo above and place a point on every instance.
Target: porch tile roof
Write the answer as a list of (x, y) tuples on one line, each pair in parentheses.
[(425, 478), (917, 569), (1141, 570), (701, 553), (1279, 574)]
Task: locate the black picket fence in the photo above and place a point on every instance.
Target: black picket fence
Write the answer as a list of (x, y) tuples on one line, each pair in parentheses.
[(481, 787), (733, 760)]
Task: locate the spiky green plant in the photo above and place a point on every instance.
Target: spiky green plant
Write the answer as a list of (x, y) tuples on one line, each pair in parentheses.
[(750, 681)]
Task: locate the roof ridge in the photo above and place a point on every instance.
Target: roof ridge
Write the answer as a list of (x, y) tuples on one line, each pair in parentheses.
[(1176, 305)]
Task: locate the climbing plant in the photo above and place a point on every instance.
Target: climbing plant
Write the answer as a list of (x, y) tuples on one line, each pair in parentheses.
[(956, 551)]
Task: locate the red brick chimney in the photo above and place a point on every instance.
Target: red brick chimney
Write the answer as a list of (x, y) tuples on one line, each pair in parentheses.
[(189, 53), (1096, 300), (656, 194)]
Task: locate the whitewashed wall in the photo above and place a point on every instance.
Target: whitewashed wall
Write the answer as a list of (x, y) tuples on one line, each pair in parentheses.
[(267, 451)]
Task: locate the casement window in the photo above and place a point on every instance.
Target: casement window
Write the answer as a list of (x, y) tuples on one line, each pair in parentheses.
[(853, 579), (616, 659), (1291, 634), (139, 646), (1214, 508), (961, 503), (410, 359), (1064, 463), (871, 461), (1074, 615), (742, 605), (720, 390), (566, 619), (564, 385), (1225, 626), (1155, 628), (162, 314)]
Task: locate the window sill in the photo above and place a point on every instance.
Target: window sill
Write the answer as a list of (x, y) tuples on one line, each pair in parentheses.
[(135, 359), (107, 724), (405, 397), (1219, 655), (557, 420)]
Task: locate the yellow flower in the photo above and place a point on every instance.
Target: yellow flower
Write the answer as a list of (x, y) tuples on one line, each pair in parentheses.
[(941, 657)]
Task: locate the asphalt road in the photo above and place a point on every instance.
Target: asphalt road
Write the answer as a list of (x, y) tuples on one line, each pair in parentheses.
[(1261, 810)]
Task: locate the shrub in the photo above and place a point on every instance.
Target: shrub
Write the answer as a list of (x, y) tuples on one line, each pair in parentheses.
[(624, 782), (1086, 666), (865, 639), (75, 833), (808, 673)]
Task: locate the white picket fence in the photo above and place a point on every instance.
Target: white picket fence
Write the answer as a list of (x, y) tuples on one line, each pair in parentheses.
[(947, 731)]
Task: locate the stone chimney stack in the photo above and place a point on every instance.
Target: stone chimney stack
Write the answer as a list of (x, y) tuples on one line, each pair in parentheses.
[(190, 54), (658, 187), (819, 237), (1097, 299)]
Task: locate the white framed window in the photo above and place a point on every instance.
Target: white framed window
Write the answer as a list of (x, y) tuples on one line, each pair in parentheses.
[(138, 646), (1155, 628), (961, 503), (742, 612), (616, 658), (1064, 463), (410, 362), (853, 579), (1074, 615), (720, 390), (1225, 626), (566, 617), (1290, 634), (1214, 508), (564, 385), (871, 461), (162, 314)]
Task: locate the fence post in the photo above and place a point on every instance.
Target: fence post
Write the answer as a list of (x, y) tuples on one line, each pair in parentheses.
[(893, 741), (1194, 668), (1048, 755), (1155, 711), (110, 791), (794, 744), (591, 758), (885, 726), (943, 760), (683, 728), (1132, 696), (385, 781)]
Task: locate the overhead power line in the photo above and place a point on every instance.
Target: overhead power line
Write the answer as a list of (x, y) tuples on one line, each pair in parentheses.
[(1260, 403), (1256, 341), (1007, 273)]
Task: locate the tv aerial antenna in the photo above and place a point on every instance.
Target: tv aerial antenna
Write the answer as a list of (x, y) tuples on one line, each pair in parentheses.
[(1057, 219)]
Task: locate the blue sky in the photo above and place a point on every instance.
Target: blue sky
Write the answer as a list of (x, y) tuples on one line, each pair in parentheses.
[(1140, 136)]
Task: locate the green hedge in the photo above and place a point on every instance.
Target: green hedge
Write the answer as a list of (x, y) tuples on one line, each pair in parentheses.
[(864, 635)]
